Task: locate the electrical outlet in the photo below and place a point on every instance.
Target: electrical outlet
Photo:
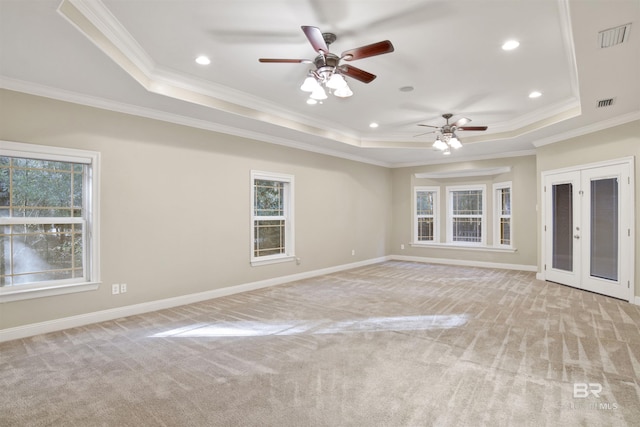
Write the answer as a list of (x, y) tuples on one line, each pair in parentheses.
[(353, 251), (402, 247), (115, 289), (123, 288)]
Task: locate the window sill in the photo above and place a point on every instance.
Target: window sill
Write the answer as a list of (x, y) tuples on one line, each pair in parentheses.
[(14, 293), (272, 260), (485, 248)]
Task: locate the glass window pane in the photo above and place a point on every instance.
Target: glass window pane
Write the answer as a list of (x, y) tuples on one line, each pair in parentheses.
[(269, 198), (505, 231), (41, 188), (604, 228), (4, 185), (425, 229), (269, 237), (467, 230), (562, 212), (41, 164), (78, 179), (505, 201), (467, 202), (33, 252), (424, 202)]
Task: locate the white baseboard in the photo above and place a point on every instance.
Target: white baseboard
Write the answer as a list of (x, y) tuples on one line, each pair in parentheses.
[(465, 263), (146, 307)]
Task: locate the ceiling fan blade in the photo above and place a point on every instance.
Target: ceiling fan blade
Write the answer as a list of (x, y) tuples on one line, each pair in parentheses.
[(426, 133), (367, 51), (357, 73), (429, 126), (461, 122), (279, 60), (314, 35), (472, 128)]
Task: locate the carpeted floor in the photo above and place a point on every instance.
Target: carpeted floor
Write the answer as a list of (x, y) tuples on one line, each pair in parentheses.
[(392, 344)]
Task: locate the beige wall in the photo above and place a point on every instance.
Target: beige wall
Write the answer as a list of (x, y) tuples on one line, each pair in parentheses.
[(523, 178), (610, 144), (175, 205)]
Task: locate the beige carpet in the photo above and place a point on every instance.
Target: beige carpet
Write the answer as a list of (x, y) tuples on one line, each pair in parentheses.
[(393, 344)]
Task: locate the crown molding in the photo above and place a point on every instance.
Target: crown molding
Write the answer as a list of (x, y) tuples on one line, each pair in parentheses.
[(594, 127), (93, 19), (449, 159), (120, 107), (464, 173)]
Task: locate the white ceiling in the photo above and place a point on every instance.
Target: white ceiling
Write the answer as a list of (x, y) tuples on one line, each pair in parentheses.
[(137, 56)]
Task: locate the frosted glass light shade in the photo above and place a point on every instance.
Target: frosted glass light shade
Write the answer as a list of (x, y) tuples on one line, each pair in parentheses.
[(440, 145), (309, 84), (336, 82), (454, 143), (318, 93), (343, 92)]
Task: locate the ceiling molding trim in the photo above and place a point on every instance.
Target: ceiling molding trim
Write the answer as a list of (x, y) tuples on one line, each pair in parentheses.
[(119, 107), (532, 127), (594, 127), (567, 35), (450, 159), (96, 23), (464, 173), (533, 121), (96, 13), (86, 22)]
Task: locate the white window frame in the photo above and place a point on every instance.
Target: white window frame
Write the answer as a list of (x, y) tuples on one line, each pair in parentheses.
[(288, 217), (435, 216), (90, 222), (483, 216), (497, 214)]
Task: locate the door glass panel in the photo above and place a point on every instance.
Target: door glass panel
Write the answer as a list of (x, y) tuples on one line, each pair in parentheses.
[(562, 227), (604, 228)]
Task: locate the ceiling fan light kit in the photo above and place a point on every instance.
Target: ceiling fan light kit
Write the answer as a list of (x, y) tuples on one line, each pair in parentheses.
[(446, 139), (328, 75)]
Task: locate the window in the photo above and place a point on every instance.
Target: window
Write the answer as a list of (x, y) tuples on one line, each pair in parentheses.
[(466, 220), (502, 215), (48, 221), (272, 218), (425, 223)]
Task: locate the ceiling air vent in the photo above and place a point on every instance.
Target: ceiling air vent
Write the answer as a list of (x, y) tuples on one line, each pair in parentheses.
[(614, 36), (605, 102)]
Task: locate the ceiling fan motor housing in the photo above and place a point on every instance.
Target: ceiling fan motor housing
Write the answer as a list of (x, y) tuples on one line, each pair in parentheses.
[(326, 65)]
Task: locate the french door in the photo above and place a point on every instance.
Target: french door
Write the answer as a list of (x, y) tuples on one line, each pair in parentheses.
[(588, 216)]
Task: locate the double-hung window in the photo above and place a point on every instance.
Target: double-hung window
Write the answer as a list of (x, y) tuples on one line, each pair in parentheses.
[(502, 214), (272, 229), (425, 219), (466, 215), (48, 221)]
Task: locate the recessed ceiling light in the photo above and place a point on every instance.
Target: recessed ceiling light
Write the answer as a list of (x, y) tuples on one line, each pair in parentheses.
[(203, 60), (406, 88), (373, 125), (510, 45), (311, 101), (535, 94)]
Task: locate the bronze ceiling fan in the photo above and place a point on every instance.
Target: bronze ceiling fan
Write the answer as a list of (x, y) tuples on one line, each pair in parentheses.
[(447, 138), (328, 70)]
